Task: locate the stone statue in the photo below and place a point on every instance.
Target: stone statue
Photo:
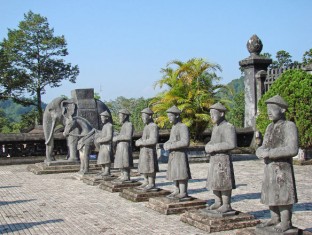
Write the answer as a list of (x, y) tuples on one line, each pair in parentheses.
[(104, 139), (148, 164), (123, 155), (178, 165), (84, 105), (280, 145), (86, 134), (220, 172)]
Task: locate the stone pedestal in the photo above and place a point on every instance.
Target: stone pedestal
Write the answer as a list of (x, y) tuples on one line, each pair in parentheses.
[(210, 221), (270, 231), (61, 166), (94, 180), (118, 186), (137, 195), (170, 206), (255, 67), (81, 176)]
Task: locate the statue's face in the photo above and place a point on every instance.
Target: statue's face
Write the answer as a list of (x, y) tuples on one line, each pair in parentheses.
[(146, 118), (104, 119), (215, 115), (122, 117), (172, 118), (275, 112)]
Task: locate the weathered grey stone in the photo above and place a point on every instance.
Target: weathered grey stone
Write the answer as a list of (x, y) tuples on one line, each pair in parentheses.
[(280, 145), (210, 224), (82, 104), (103, 141), (251, 66), (137, 195), (271, 231), (123, 154), (115, 186), (57, 167), (168, 206), (178, 165), (148, 164), (221, 172)]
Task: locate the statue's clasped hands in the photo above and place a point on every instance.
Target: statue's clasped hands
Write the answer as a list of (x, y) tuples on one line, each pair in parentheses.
[(209, 149), (167, 146), (138, 142), (263, 153)]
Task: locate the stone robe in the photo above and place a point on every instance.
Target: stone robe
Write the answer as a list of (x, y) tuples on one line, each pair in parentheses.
[(220, 170), (278, 186), (148, 157), (105, 140), (123, 155), (178, 165)]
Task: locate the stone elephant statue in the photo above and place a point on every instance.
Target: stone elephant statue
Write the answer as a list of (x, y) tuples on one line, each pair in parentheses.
[(55, 114)]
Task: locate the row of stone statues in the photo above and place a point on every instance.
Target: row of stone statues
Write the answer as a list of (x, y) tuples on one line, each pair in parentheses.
[(280, 144)]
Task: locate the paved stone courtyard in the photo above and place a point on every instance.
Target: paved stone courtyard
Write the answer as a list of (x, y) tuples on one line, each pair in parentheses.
[(58, 204)]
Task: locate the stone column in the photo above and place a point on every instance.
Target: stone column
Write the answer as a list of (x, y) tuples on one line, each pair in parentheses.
[(254, 68)]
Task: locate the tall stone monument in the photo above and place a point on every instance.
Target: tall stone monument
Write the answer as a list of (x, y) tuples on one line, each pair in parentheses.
[(255, 67)]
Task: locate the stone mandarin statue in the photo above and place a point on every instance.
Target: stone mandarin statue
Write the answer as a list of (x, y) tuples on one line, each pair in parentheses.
[(220, 172), (123, 155), (280, 145), (148, 165), (104, 139), (178, 165)]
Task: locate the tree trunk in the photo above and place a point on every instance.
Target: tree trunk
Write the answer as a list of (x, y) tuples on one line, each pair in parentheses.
[(39, 108)]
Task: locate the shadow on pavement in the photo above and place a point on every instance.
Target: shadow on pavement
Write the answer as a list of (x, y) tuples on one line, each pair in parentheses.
[(197, 180), (265, 214), (3, 203), (21, 226), (9, 186), (307, 206), (241, 197), (197, 190)]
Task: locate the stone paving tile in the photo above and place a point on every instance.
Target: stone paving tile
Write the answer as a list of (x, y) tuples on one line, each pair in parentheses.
[(57, 204)]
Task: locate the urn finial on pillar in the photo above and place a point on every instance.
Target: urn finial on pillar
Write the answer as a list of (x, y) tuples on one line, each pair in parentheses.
[(254, 45), (254, 68)]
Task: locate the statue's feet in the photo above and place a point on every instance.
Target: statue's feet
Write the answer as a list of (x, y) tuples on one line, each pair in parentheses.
[(215, 206), (149, 187), (173, 194), (282, 227), (181, 195), (142, 186), (105, 174), (224, 208), (268, 223)]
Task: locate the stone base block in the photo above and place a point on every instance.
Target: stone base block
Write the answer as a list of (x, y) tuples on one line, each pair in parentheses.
[(137, 195), (215, 222), (61, 166), (94, 180), (81, 176), (117, 186), (270, 231), (170, 206)]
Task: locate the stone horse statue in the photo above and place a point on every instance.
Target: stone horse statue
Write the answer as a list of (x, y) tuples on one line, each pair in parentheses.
[(85, 135)]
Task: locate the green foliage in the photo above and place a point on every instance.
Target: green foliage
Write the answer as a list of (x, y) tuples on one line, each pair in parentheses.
[(191, 87), (295, 86), (307, 57), (135, 106), (236, 112), (31, 59), (97, 96)]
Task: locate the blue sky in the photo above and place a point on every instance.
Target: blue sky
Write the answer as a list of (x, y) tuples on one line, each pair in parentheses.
[(120, 46)]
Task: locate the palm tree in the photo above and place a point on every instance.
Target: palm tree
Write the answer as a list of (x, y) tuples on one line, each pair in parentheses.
[(191, 87)]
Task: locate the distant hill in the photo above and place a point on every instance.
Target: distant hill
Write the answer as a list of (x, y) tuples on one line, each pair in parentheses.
[(237, 85), (13, 111)]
